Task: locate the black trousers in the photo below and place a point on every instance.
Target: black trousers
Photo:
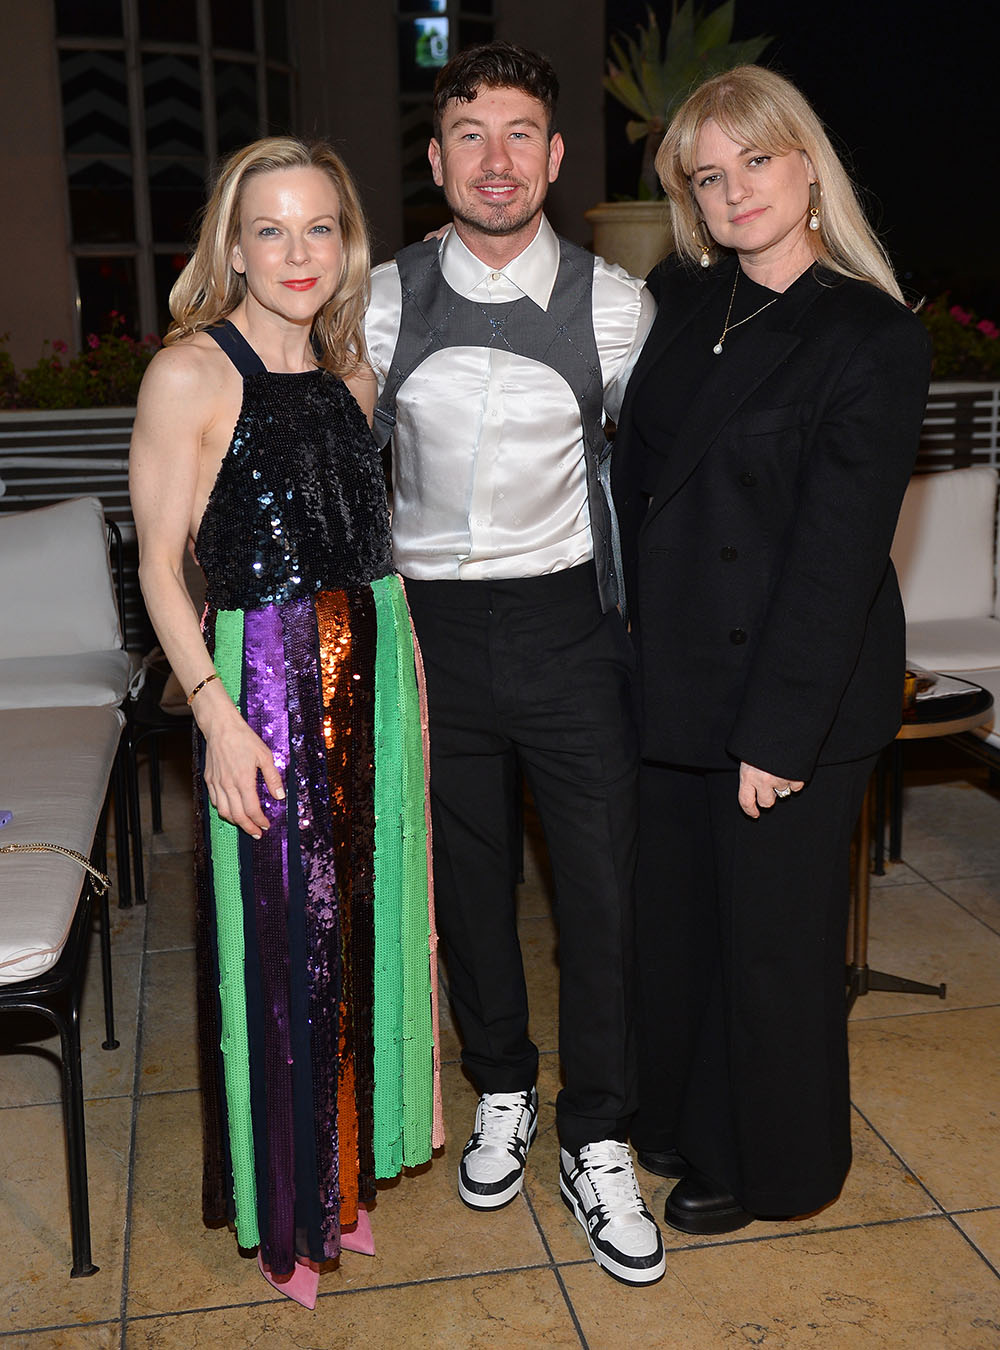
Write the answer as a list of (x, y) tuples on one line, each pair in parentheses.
[(741, 930), (530, 673)]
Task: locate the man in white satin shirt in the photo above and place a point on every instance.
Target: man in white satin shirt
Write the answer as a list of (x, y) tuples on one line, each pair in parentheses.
[(499, 350)]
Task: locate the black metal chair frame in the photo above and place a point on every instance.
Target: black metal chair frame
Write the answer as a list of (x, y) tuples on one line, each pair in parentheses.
[(128, 822), (55, 995)]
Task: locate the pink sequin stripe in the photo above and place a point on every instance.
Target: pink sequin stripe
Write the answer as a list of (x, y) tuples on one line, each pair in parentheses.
[(437, 1124), (267, 714), (322, 919)]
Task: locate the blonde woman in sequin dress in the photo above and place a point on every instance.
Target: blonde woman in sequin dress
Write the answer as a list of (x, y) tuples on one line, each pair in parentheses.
[(252, 448)]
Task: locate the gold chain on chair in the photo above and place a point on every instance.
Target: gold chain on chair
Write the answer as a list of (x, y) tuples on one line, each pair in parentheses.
[(102, 883)]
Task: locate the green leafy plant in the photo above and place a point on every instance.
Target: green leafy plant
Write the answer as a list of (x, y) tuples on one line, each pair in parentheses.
[(105, 374), (965, 346), (652, 78)]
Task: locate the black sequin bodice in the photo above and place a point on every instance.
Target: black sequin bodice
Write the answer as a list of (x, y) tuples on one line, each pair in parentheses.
[(299, 504)]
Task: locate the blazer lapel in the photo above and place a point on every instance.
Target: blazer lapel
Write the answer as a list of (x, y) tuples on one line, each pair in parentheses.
[(671, 320), (736, 374)]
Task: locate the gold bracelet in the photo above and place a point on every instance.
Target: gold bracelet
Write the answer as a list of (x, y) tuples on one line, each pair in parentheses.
[(199, 687)]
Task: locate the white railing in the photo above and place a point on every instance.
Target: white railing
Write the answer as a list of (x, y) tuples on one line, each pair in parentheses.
[(961, 425)]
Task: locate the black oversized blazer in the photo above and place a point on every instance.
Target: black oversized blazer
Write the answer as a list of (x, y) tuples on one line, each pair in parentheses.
[(763, 603)]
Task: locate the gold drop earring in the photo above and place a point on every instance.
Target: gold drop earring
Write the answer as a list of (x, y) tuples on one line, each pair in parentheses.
[(815, 194)]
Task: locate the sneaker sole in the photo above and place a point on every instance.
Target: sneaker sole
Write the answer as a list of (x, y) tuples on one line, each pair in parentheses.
[(498, 1199), (623, 1274)]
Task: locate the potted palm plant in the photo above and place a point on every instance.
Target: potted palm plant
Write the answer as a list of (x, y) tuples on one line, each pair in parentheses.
[(652, 74)]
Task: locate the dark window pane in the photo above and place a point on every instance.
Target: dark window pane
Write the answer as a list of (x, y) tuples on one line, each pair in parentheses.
[(167, 267), (232, 24), (476, 6), (420, 219), (172, 92), (100, 199), (423, 7), (106, 284), (279, 103), (96, 18), (235, 104), (95, 102), (176, 195), (423, 50), (276, 30), (471, 32), (173, 22), (416, 129)]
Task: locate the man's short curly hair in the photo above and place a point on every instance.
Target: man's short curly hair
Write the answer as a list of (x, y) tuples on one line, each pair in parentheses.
[(495, 65)]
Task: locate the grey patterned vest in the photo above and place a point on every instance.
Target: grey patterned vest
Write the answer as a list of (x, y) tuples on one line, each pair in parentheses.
[(562, 337)]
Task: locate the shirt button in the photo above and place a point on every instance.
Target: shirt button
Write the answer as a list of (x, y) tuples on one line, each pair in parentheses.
[(494, 276), (737, 637), (728, 554), (747, 479)]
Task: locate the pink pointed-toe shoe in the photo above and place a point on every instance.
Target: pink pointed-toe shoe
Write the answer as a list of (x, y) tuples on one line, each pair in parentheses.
[(358, 1237), (301, 1286)]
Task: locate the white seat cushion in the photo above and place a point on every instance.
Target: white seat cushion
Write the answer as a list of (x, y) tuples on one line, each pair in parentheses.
[(954, 645), (56, 592), (85, 680), (945, 545), (54, 770)]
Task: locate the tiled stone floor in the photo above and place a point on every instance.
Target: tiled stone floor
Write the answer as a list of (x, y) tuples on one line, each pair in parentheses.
[(909, 1256)]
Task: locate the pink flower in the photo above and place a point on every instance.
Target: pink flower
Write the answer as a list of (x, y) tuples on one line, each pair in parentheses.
[(988, 328), (960, 315), (151, 340), (59, 346), (93, 341)]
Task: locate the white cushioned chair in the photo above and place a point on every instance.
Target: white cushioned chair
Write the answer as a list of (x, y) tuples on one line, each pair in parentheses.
[(60, 636), (945, 552), (61, 641), (55, 766)]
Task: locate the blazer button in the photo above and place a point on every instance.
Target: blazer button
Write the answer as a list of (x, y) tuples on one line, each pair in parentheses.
[(737, 637), (728, 554), (748, 479)]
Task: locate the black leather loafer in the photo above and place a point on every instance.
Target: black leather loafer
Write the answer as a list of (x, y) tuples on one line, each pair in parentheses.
[(663, 1164), (698, 1205)]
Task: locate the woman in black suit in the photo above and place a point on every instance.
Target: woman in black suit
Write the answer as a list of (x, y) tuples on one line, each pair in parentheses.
[(766, 439)]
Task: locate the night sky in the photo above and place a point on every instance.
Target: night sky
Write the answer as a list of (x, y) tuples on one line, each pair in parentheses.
[(911, 104)]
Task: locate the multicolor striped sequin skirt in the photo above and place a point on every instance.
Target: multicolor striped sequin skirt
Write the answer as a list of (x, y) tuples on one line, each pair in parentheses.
[(317, 991)]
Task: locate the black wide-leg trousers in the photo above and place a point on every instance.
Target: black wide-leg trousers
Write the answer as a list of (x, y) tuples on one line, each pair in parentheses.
[(741, 930), (529, 673)]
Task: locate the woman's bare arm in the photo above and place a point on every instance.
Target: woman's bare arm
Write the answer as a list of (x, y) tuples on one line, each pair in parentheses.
[(179, 404)]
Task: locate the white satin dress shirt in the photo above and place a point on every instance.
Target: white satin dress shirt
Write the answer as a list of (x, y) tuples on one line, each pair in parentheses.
[(489, 475)]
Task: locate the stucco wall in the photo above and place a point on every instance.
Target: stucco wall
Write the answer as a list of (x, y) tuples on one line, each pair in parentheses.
[(35, 288)]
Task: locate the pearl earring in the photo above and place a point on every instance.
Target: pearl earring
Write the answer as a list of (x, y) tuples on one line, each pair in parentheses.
[(814, 206), (705, 260)]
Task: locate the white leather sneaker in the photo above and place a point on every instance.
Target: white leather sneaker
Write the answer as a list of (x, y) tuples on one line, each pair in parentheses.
[(600, 1188), (491, 1172)]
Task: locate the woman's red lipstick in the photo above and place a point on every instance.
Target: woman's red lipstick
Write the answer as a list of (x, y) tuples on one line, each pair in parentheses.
[(301, 284)]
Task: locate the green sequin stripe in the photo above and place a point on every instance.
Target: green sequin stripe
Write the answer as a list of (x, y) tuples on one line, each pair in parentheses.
[(232, 991), (387, 1013), (418, 1066)]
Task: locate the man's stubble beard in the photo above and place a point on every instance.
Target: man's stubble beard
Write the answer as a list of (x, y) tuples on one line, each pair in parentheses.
[(498, 221)]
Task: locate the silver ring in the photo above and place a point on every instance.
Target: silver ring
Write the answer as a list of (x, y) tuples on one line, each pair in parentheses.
[(783, 792)]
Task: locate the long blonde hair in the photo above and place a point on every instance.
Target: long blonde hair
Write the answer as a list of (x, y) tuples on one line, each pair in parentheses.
[(758, 108), (209, 288)]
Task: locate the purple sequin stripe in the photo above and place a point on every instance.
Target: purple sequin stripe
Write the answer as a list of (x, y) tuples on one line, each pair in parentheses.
[(305, 716), (265, 712)]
